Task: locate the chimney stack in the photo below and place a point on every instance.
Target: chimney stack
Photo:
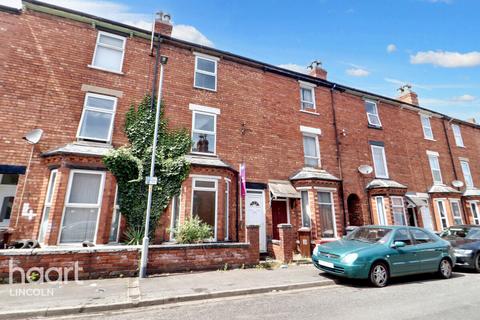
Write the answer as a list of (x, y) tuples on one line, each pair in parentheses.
[(163, 24), (317, 71), (472, 120), (407, 95)]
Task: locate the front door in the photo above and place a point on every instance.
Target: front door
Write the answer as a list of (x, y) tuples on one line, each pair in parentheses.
[(7, 195), (426, 218), (255, 214), (279, 215)]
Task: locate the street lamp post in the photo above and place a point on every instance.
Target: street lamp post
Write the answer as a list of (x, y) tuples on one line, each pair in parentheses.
[(151, 180)]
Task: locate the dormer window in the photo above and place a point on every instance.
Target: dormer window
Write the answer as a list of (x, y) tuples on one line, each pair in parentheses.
[(372, 114)]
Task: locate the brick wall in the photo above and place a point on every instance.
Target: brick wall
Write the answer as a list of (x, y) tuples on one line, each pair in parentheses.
[(123, 260)]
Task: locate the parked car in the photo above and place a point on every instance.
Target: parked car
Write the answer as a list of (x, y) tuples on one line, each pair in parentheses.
[(465, 240), (378, 253)]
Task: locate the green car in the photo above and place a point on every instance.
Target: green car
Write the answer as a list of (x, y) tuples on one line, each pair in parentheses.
[(378, 253)]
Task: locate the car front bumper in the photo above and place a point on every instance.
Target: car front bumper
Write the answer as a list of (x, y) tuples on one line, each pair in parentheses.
[(465, 261), (336, 267)]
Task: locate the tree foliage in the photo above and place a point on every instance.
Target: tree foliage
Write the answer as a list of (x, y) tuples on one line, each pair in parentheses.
[(131, 164)]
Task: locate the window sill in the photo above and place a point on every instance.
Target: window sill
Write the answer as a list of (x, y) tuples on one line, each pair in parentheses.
[(463, 147), (213, 155), (429, 139), (310, 112), (371, 126), (208, 89), (106, 70)]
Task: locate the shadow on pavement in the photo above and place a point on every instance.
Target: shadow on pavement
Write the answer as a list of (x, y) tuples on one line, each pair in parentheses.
[(361, 283)]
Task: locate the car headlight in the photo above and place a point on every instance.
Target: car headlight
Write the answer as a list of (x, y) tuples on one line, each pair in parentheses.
[(315, 250), (350, 258), (463, 252)]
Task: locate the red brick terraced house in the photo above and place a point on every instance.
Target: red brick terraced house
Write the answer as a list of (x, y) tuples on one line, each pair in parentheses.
[(319, 155)]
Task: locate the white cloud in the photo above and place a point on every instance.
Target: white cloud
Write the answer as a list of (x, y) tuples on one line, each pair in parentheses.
[(17, 4), (391, 48), (464, 98), (432, 86), (357, 72), (294, 67), (447, 59), (123, 13), (191, 34)]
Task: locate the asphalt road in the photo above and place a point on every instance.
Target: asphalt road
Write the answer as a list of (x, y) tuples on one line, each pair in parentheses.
[(418, 297)]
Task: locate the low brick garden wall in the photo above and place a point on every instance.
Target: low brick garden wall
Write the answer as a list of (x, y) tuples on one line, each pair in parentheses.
[(113, 261)]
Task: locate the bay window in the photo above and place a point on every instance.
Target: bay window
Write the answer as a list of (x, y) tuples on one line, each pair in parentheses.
[(82, 206), (474, 207), (306, 216), (398, 210), (456, 211), (204, 201), (442, 212), (48, 204), (327, 214)]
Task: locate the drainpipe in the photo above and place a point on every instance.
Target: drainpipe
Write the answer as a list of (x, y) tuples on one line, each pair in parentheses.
[(155, 72), (236, 214), (450, 149), (339, 159)]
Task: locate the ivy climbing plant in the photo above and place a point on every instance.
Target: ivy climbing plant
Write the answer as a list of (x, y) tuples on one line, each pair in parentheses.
[(131, 164)]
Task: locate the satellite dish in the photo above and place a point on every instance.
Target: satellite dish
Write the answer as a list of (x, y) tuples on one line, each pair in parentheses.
[(457, 183), (33, 136), (365, 169)]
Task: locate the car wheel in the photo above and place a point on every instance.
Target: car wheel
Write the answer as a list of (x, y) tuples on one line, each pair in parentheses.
[(445, 269), (476, 262), (379, 275)]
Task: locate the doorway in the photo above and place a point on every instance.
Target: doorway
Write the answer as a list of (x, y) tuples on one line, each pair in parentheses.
[(8, 188), (255, 214), (279, 215)]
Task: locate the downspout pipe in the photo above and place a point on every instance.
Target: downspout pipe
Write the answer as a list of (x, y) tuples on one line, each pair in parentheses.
[(155, 72), (339, 158)]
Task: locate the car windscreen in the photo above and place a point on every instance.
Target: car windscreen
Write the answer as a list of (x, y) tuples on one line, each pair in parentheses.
[(473, 234), (371, 235)]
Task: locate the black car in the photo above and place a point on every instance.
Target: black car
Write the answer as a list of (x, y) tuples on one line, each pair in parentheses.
[(465, 240)]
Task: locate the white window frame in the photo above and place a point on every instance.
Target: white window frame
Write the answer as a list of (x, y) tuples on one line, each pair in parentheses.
[(116, 209), (317, 146), (384, 161), (467, 174), (98, 43), (402, 200), (457, 134), (332, 203), (457, 201), (443, 218), (214, 74), (425, 128), (52, 182), (376, 114), (215, 189), (309, 213), (97, 205), (436, 159), (382, 218), (87, 108), (211, 114), (311, 87), (227, 209), (476, 217), (176, 202)]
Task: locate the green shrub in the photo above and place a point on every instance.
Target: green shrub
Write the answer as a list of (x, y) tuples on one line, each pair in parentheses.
[(193, 230), (134, 236)]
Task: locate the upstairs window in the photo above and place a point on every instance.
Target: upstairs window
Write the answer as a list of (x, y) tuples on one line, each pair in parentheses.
[(205, 72), (204, 132), (427, 128), (379, 161), (310, 150), (458, 135), (372, 113), (96, 122), (109, 52), (435, 167), (466, 173), (307, 97)]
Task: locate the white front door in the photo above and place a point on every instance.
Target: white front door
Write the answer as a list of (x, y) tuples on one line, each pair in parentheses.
[(255, 214), (427, 218)]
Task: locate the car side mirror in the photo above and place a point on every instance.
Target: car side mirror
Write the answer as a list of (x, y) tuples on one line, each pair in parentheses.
[(398, 244)]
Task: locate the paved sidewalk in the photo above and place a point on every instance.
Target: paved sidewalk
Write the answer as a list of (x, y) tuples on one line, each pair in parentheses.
[(113, 294)]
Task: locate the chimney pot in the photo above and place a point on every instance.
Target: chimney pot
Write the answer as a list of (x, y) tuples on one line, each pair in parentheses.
[(163, 24), (317, 71), (407, 95)]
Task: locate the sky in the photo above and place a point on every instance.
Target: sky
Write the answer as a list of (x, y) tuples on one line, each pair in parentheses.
[(373, 45)]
